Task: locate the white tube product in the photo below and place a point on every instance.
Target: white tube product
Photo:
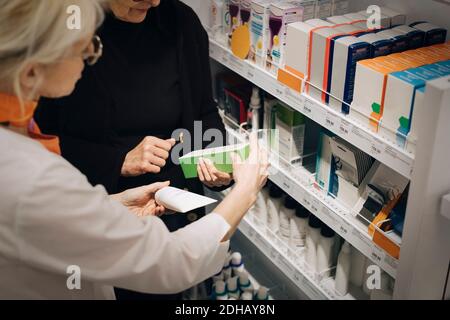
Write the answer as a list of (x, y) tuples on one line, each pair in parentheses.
[(216, 24), (343, 269), (236, 263), (262, 294), (312, 238), (287, 213), (226, 270), (299, 227), (244, 283), (357, 270), (325, 251), (273, 208), (232, 288), (246, 296), (259, 210), (220, 290)]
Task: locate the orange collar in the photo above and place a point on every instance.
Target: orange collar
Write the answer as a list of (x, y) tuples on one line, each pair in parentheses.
[(12, 114)]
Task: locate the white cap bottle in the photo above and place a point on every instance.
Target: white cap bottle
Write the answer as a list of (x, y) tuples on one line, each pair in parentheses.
[(343, 270), (299, 227), (244, 282), (273, 208), (226, 270), (220, 291), (232, 288), (287, 213), (312, 239), (247, 296), (236, 263), (325, 250), (262, 294)]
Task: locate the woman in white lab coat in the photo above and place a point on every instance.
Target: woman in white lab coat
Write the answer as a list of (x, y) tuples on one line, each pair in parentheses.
[(60, 238)]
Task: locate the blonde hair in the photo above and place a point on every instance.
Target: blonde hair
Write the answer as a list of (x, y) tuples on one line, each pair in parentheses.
[(37, 31)]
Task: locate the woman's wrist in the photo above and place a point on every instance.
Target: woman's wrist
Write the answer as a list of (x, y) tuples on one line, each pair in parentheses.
[(244, 192)]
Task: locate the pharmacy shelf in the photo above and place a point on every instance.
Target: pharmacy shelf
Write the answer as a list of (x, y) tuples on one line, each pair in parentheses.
[(285, 260), (298, 183), (355, 133)]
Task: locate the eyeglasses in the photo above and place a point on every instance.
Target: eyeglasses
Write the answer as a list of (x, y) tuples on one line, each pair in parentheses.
[(95, 51)]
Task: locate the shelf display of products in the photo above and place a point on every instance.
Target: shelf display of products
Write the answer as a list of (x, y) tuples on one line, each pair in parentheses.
[(342, 99)]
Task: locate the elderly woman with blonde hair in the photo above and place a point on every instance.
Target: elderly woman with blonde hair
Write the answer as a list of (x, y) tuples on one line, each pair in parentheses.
[(51, 218)]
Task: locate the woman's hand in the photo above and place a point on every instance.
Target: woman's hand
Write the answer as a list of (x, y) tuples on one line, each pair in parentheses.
[(141, 201), (251, 175), (148, 157), (210, 176)]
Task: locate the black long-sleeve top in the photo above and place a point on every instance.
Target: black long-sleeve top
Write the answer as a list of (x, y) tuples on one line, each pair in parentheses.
[(153, 78)]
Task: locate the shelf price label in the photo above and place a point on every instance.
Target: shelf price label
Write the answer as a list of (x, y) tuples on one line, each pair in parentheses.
[(315, 206), (307, 108), (376, 148), (306, 198), (332, 122), (345, 128), (250, 73), (345, 228), (376, 254)]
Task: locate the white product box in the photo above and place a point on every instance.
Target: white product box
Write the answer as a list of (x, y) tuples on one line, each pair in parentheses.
[(401, 91), (259, 31), (309, 9), (281, 14), (319, 61), (340, 7), (380, 45), (297, 44), (433, 34), (369, 92), (323, 9), (291, 132), (338, 20), (357, 19), (347, 52), (396, 17)]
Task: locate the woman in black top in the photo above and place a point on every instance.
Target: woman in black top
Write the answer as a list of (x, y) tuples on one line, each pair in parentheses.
[(154, 77)]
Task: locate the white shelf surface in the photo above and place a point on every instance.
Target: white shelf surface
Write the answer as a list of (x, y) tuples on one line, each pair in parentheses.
[(297, 182), (355, 133)]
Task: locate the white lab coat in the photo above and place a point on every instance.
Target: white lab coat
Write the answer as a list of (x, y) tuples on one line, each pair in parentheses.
[(52, 218)]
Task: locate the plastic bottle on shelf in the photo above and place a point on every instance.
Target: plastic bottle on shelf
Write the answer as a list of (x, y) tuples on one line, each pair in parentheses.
[(226, 270), (343, 269), (358, 260), (246, 296), (236, 263), (262, 294), (273, 208), (220, 291), (325, 250), (255, 109), (259, 210), (299, 227), (244, 282), (312, 238), (287, 213), (218, 276), (232, 288)]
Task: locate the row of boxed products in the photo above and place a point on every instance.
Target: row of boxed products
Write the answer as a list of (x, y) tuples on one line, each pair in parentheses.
[(267, 20), (360, 72), (324, 253), (372, 191)]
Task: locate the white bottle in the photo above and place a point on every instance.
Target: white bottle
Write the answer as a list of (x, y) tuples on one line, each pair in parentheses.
[(255, 109), (236, 263), (259, 210), (244, 282), (262, 294), (216, 14), (273, 208), (299, 227), (343, 270), (287, 213), (218, 277), (226, 270), (220, 291), (357, 270), (325, 251), (312, 238), (232, 288), (246, 296)]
